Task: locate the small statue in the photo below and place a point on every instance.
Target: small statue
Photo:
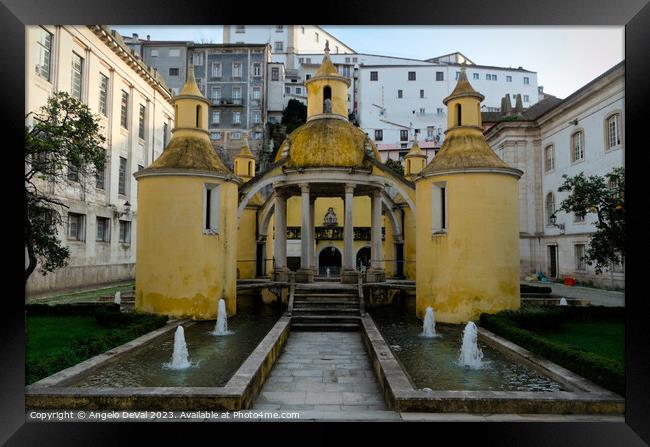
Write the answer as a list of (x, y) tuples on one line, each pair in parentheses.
[(330, 219), (327, 106)]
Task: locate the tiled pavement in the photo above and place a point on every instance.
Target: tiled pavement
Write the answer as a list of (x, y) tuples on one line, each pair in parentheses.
[(324, 375)]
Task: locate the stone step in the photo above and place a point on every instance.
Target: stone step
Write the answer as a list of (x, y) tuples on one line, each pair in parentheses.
[(325, 327), (314, 318), (325, 310), (325, 302), (326, 295)]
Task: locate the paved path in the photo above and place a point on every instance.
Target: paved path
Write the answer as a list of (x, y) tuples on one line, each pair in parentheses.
[(598, 297), (324, 375)]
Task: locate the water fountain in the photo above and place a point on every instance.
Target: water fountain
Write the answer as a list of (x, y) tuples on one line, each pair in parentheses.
[(563, 302), (179, 356), (471, 355), (429, 325), (221, 328), (118, 298)]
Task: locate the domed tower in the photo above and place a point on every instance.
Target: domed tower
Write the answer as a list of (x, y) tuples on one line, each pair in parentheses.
[(327, 91), (415, 161), (245, 162), (187, 220), (467, 220)]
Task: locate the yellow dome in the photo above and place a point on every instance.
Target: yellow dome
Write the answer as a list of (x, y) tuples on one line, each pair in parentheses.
[(464, 151), (189, 153), (326, 142)]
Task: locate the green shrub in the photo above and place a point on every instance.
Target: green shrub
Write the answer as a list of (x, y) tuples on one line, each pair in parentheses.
[(525, 288), (536, 318), (68, 309), (605, 372)]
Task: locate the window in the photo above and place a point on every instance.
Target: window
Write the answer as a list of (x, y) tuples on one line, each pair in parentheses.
[(526, 98), (236, 117), (301, 60), (613, 131), (490, 77), (175, 52), (400, 94), (298, 91), (354, 59), (475, 76), (549, 158), (76, 227), (216, 69), (577, 218), (240, 28), (173, 72), (374, 75), (216, 117), (216, 94), (526, 81), (256, 116), (236, 95), (257, 135), (165, 131), (257, 93), (257, 70), (421, 93), (122, 178), (235, 136), (411, 76), (279, 28), (439, 207), (577, 146), (404, 135), (508, 78), (236, 69), (100, 177), (579, 250), (287, 90), (103, 94), (440, 76), (439, 111), (211, 205), (316, 36), (550, 208), (345, 71), (279, 46), (141, 117), (124, 111), (140, 168), (347, 60), (275, 74), (197, 58), (77, 70), (457, 75), (215, 135), (422, 111), (379, 135), (429, 131), (125, 231), (154, 53), (103, 229), (44, 54)]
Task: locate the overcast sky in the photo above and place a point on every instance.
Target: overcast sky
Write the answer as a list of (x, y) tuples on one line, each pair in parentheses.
[(565, 58)]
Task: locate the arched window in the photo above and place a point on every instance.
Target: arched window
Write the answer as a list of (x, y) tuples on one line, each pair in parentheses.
[(327, 99), (459, 112), (198, 116), (550, 208)]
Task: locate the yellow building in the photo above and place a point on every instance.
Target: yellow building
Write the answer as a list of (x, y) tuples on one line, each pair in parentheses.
[(328, 206), (467, 227), (187, 221)]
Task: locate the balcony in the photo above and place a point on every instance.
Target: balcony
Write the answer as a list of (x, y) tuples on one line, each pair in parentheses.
[(227, 102)]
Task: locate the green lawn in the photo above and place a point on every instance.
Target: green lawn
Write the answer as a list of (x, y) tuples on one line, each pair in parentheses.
[(603, 338), (89, 295), (57, 342)]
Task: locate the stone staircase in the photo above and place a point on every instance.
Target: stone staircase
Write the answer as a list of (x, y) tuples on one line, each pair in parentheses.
[(325, 306)]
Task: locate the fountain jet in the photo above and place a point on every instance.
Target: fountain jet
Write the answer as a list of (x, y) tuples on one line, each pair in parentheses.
[(471, 355), (179, 356), (118, 298), (221, 328), (429, 325), (563, 302)]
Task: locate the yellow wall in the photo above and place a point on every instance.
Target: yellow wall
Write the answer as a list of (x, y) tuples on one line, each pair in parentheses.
[(181, 271), (339, 97), (247, 244), (474, 268), (186, 114), (470, 112)]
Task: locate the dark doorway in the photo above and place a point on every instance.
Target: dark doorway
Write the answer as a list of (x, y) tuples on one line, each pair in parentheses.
[(293, 263), (399, 257), (363, 259), (260, 264), (552, 261), (329, 257)]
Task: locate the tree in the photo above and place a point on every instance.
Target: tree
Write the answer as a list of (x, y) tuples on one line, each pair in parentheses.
[(603, 196), (294, 115), (395, 165), (63, 143)]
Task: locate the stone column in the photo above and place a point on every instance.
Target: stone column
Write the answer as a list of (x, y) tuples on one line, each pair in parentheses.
[(376, 272), (305, 274), (312, 242), (348, 272), (280, 240)]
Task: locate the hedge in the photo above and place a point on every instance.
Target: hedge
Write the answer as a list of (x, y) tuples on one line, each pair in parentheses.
[(68, 309), (525, 288), (605, 372)]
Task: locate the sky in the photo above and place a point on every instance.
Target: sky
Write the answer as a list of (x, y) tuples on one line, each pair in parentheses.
[(564, 57)]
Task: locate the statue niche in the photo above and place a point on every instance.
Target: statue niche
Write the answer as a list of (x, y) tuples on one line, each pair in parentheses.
[(330, 219)]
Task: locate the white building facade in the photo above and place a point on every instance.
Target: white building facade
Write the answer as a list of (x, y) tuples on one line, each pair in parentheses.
[(135, 112), (582, 133)]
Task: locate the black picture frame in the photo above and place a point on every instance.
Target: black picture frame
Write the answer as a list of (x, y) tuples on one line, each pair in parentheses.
[(634, 14)]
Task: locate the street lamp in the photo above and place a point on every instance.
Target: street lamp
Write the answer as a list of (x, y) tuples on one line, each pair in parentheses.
[(554, 220)]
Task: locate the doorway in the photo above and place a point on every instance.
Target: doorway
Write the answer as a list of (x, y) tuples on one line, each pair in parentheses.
[(552, 261), (329, 257), (363, 259)]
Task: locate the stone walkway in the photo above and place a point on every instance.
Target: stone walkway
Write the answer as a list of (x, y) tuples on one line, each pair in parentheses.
[(324, 375), (598, 297)]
